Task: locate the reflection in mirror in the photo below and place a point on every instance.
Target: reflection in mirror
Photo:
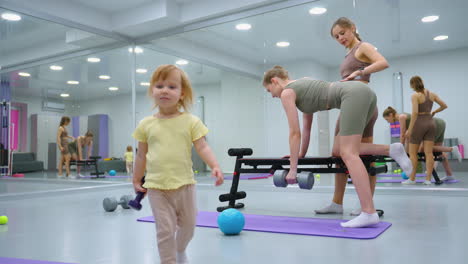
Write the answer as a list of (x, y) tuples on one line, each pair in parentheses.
[(94, 91), (300, 39), (24, 38)]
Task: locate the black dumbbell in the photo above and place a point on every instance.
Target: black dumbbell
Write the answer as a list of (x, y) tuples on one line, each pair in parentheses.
[(110, 204), (304, 179)]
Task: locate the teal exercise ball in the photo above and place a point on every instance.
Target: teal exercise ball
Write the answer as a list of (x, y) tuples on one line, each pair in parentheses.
[(404, 176), (231, 221), (112, 172)]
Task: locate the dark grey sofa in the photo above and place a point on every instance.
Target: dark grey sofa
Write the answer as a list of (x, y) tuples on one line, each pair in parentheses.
[(26, 162)]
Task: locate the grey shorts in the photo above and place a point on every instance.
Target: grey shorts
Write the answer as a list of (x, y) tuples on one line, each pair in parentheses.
[(358, 110), (440, 130), (368, 130)]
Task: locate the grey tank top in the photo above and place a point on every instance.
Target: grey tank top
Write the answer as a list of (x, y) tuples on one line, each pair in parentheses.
[(350, 64), (314, 95)]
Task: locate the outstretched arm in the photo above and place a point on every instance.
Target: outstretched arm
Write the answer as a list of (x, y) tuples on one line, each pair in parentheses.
[(306, 129), (140, 166), (205, 152), (402, 119), (288, 99)]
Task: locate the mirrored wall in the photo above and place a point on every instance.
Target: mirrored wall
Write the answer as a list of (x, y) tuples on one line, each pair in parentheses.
[(50, 70)]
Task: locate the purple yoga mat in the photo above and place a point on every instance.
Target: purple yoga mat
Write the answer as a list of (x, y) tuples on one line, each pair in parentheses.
[(293, 225), (26, 261), (399, 175), (250, 176), (105, 176), (417, 180)]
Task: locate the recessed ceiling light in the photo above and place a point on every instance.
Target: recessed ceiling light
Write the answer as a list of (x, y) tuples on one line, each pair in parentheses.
[(94, 59), (104, 77), (73, 82), (145, 84), (428, 19), (137, 50), (441, 37), (113, 88), (11, 17), (24, 74), (64, 95), (141, 70), (181, 62), (317, 10), (243, 26), (282, 44), (56, 68)]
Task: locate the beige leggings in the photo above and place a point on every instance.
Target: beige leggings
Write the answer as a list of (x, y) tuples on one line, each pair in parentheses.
[(175, 214)]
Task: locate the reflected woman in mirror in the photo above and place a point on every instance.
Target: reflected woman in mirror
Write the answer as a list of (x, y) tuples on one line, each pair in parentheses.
[(361, 60), (76, 148), (404, 119), (62, 143), (422, 127)]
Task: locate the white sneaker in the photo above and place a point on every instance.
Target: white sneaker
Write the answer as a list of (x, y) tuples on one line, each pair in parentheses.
[(60, 176), (408, 182), (448, 178), (456, 153), (426, 182)]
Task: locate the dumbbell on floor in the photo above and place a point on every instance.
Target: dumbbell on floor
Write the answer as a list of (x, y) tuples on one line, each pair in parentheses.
[(304, 179), (110, 204)]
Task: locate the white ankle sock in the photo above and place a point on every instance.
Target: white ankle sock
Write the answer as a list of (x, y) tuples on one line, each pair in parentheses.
[(356, 211), (363, 220), (447, 178), (456, 153), (333, 208), (398, 153), (408, 181), (181, 258)]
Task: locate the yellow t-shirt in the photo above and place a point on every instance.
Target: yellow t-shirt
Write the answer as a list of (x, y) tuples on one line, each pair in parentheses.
[(128, 156), (169, 156)]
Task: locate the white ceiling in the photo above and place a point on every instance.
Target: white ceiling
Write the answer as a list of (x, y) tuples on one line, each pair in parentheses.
[(393, 26)]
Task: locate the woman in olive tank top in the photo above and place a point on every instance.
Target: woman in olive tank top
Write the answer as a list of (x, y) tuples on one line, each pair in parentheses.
[(356, 102)]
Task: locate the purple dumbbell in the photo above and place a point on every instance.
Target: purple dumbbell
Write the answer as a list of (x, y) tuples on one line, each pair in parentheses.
[(136, 203)]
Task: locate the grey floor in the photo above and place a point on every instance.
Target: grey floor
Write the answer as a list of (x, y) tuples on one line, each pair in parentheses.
[(63, 220)]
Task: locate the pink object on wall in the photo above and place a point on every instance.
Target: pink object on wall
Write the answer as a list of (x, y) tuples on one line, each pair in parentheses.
[(461, 148), (14, 117)]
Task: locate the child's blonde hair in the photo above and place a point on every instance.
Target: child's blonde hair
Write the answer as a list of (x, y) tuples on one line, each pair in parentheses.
[(161, 73), (129, 148)]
